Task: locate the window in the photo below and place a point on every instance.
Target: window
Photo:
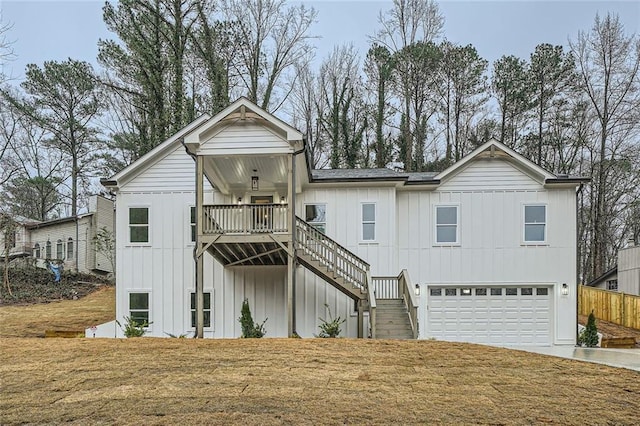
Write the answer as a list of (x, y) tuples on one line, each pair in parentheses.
[(316, 216), (496, 292), (435, 292), (612, 285), (139, 224), (48, 250), (535, 221), (512, 292), (368, 222), (446, 224), (481, 291), (36, 251), (526, 291), (542, 291), (450, 291), (465, 292), (139, 307), (207, 309), (59, 250), (192, 211), (70, 248)]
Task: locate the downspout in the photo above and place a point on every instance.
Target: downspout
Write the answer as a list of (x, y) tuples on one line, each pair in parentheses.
[(292, 201), (578, 283)]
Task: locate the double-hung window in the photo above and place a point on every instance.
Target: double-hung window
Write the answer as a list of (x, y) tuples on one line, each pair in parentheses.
[(139, 224), (447, 226), (207, 309), (192, 223), (36, 251), (316, 216), (535, 223), (47, 253), (59, 250), (368, 222), (139, 308), (70, 248)]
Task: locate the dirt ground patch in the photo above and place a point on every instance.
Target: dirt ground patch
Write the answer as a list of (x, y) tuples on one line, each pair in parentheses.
[(610, 329), (32, 320), (303, 381)]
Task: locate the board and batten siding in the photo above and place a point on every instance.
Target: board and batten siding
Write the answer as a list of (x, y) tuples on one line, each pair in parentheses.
[(489, 174), (344, 221), (629, 270)]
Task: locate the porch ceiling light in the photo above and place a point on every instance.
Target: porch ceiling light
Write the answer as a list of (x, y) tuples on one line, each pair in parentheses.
[(417, 290), (282, 200), (565, 289), (239, 200)]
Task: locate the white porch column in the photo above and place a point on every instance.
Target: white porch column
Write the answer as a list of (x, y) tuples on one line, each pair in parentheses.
[(291, 267), (199, 254)]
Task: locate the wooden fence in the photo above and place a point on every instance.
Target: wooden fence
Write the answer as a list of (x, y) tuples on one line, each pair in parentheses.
[(618, 308)]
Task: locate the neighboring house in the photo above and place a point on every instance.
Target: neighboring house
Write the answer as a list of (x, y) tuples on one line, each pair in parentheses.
[(19, 245), (484, 251), (62, 241), (625, 277)]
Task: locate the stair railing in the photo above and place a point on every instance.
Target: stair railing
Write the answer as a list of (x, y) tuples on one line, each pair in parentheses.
[(372, 308), (407, 291), (338, 259)]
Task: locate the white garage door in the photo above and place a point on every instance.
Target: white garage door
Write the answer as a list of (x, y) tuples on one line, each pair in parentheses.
[(490, 315)]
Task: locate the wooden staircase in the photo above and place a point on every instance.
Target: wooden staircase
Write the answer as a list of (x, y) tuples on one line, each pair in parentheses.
[(392, 320)]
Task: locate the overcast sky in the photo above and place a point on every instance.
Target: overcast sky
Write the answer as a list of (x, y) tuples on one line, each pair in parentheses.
[(57, 30)]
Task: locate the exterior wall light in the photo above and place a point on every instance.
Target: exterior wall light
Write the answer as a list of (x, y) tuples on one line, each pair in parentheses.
[(282, 200), (565, 289), (417, 290), (239, 200), (254, 183)]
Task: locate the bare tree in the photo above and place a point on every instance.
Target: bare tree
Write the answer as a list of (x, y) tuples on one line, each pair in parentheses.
[(271, 39), (608, 62)]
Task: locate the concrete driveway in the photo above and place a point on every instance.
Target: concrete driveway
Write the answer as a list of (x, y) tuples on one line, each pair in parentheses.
[(623, 358)]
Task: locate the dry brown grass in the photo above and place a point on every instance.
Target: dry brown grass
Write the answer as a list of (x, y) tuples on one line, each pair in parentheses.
[(308, 381), (32, 320)]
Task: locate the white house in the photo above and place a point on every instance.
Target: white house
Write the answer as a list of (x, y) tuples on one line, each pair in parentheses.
[(484, 251), (625, 276), (69, 240)]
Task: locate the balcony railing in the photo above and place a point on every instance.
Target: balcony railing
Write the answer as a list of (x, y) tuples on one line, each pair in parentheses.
[(245, 218)]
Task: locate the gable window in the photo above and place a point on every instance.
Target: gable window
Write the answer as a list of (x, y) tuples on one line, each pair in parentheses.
[(207, 309), (70, 248), (139, 224), (535, 223), (139, 307), (192, 223), (316, 216), (48, 250), (612, 285), (36, 251), (447, 225), (368, 222), (59, 250)]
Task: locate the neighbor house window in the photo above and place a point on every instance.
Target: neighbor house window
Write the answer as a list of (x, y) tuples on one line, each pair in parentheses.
[(612, 285), (447, 224), (316, 216), (59, 250), (36, 251), (48, 250), (207, 309), (192, 223), (535, 223), (139, 224), (70, 248), (139, 307), (368, 222)]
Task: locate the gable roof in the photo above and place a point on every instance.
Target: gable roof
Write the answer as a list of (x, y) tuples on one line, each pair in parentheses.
[(154, 155), (604, 277)]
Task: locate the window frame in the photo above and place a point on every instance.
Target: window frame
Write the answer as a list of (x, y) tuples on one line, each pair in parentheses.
[(193, 218), (611, 286), (191, 311), (436, 225), (148, 309), (525, 223), (70, 245), (59, 249), (36, 251), (136, 225), (369, 222), (316, 224), (47, 253)]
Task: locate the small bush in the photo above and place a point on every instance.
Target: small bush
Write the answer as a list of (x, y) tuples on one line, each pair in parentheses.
[(331, 328), (589, 336), (132, 328), (250, 329)]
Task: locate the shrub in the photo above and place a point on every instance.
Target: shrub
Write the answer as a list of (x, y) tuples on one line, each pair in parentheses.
[(132, 328), (589, 336), (250, 329), (330, 328)]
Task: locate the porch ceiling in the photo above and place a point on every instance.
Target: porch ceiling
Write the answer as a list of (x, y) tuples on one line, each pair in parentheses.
[(232, 174), (232, 254)]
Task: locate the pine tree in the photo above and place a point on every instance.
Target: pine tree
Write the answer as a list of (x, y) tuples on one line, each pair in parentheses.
[(589, 337)]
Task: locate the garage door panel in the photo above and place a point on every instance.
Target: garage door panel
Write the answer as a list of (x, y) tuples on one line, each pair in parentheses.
[(490, 315)]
